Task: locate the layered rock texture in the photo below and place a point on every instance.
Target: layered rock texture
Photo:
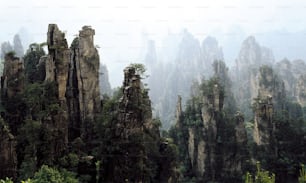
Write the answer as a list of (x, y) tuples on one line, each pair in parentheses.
[(184, 57), (12, 81), (245, 75), (270, 100), (293, 75), (216, 143), (53, 115), (84, 90), (105, 87), (8, 156), (136, 138), (58, 93)]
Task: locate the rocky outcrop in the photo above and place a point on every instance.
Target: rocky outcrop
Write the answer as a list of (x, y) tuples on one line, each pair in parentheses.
[(139, 147), (18, 48), (192, 62), (59, 56), (179, 111), (210, 52), (12, 80), (252, 54), (12, 85), (270, 98), (55, 65), (245, 75), (105, 87), (84, 93), (217, 139), (8, 156), (292, 73), (130, 126), (51, 97), (301, 90), (6, 47)]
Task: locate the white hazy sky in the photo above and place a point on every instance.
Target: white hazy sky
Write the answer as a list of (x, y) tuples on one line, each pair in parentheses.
[(119, 24)]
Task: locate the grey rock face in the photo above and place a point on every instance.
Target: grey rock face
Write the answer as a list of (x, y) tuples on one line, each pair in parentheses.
[(5, 48), (84, 91), (8, 156), (105, 87), (18, 48), (59, 56), (271, 93), (245, 75), (12, 81)]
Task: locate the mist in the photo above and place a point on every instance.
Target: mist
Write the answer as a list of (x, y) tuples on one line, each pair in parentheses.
[(122, 27)]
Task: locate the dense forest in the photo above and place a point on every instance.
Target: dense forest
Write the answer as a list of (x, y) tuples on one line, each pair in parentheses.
[(62, 122)]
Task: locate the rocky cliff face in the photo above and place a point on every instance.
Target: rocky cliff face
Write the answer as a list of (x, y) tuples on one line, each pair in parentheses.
[(56, 71), (192, 62), (58, 92), (59, 54), (211, 52), (12, 81), (292, 73), (245, 75), (84, 92), (12, 85), (136, 138), (270, 96), (301, 90), (252, 54), (8, 156), (18, 48), (216, 144), (105, 87)]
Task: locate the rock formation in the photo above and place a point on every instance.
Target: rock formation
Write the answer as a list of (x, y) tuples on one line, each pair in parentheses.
[(83, 94), (136, 138), (210, 52), (12, 85), (179, 111), (216, 146), (250, 58), (301, 90), (292, 73), (18, 48), (252, 54), (5, 48), (59, 55), (12, 81), (192, 61), (270, 98), (8, 156), (105, 87)]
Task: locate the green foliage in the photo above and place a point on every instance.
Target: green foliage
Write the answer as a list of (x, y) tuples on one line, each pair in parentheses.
[(11, 54), (34, 135), (7, 180), (98, 166), (302, 177), (31, 60), (70, 161), (30, 139), (51, 175), (140, 70), (27, 181), (261, 176)]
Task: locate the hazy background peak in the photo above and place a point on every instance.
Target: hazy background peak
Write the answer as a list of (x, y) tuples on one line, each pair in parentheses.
[(123, 27)]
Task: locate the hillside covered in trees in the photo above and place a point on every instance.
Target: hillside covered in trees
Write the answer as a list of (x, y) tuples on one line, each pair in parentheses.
[(62, 122)]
